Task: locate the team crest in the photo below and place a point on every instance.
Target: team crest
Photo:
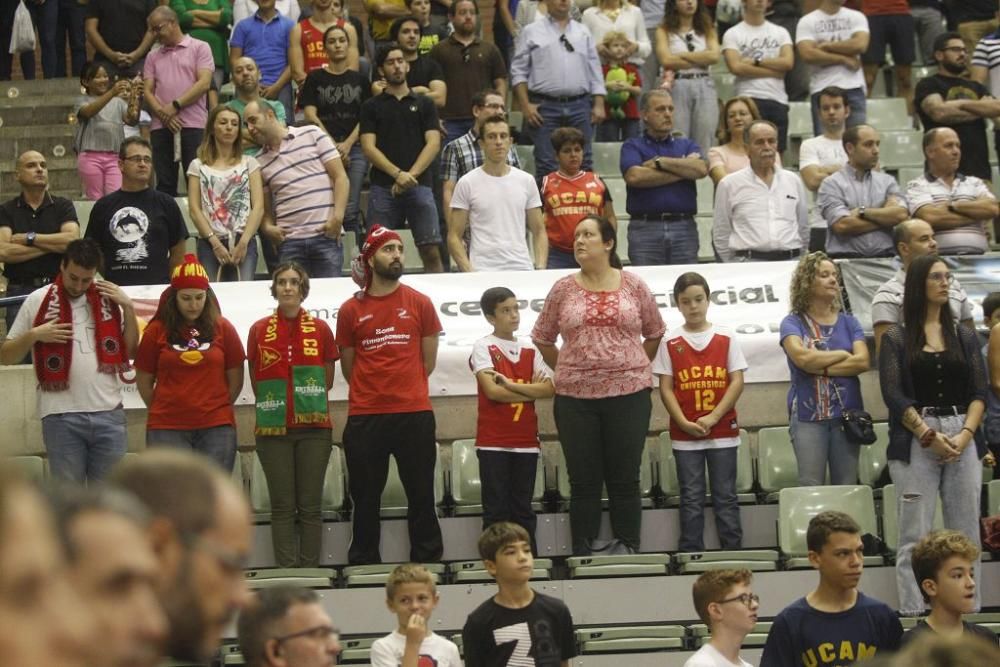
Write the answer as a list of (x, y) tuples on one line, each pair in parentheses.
[(268, 357), (679, 348)]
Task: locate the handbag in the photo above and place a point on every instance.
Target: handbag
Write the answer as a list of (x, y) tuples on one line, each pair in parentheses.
[(22, 37), (989, 529)]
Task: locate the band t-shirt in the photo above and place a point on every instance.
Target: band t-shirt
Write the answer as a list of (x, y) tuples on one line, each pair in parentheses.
[(540, 634), (386, 333), (136, 231), (975, 151), (337, 98)]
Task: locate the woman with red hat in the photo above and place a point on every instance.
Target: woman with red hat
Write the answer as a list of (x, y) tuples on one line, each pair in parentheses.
[(292, 357), (189, 369)]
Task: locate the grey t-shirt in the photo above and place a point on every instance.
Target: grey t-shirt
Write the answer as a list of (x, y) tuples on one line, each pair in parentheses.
[(104, 131)]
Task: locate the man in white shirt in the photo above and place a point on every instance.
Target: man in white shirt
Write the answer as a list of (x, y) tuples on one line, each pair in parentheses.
[(831, 39), (956, 206), (823, 155), (759, 53), (495, 201), (761, 212)]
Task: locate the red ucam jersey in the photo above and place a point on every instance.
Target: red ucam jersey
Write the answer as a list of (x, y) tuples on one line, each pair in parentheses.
[(701, 379), (506, 425)]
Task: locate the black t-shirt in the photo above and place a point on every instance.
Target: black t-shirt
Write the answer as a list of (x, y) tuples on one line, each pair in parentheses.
[(539, 634), (337, 98), (430, 35), (921, 628), (136, 231), (122, 23), (972, 134), (423, 70), (399, 126), (48, 219)]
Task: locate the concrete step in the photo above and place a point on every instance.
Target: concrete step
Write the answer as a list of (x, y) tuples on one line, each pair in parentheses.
[(32, 101), (39, 87), (27, 115), (52, 141), (62, 176)]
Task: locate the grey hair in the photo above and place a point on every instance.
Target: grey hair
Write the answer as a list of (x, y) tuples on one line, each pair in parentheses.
[(749, 128), (647, 97)]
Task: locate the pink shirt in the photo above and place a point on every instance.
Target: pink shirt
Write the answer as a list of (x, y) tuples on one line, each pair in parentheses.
[(173, 70), (602, 353)]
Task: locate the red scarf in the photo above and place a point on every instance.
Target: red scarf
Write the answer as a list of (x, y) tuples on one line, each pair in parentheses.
[(52, 360)]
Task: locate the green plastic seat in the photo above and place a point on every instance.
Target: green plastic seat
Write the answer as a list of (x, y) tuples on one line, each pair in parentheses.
[(799, 120), (666, 468), (607, 156), (888, 113), (982, 618), (706, 195), (333, 488), (375, 579), (478, 565), (763, 555), (697, 567), (903, 148), (744, 474), (466, 488), (890, 517), (632, 644), (796, 506), (482, 576), (260, 498), (582, 567), (701, 630), (386, 568), (356, 643), (526, 155), (704, 222), (625, 631), (619, 194), (907, 174), (872, 459), (993, 497), (777, 468), (31, 468), (515, 119), (303, 577), (83, 208)]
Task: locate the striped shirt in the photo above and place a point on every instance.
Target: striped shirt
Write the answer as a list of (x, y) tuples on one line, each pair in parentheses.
[(300, 187), (887, 304), (968, 239), (987, 54)]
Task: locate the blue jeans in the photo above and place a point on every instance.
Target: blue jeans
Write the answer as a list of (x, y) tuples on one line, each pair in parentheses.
[(46, 19), (555, 115), (217, 442), (285, 97), (658, 242), (71, 17), (859, 109), (821, 442), (559, 259), (691, 477), (356, 172), (247, 268), (919, 483), (415, 206), (84, 446), (321, 256), (456, 127)]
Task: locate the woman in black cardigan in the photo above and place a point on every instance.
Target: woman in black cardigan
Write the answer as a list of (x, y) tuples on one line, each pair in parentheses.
[(934, 384)]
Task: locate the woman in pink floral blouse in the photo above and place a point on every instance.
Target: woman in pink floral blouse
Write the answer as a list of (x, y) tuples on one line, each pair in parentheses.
[(610, 327)]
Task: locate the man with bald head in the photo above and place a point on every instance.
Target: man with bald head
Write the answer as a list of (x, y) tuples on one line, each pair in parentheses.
[(246, 81), (956, 205), (35, 228), (176, 78), (912, 238), (200, 530)]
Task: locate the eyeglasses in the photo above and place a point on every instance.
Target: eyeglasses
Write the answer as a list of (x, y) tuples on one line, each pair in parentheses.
[(748, 599), (139, 159), (957, 49), (689, 38), (566, 44), (943, 277), (321, 633), (233, 563)]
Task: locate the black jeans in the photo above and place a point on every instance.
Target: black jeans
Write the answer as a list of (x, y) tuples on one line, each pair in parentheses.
[(163, 156), (508, 482), (369, 440)]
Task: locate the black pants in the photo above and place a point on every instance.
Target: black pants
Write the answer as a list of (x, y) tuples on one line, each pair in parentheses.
[(508, 482), (369, 440), (163, 156)]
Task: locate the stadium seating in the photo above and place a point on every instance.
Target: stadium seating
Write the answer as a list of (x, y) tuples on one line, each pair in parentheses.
[(901, 149), (334, 491), (376, 575), (645, 475), (796, 506), (777, 467), (888, 113), (890, 518), (625, 565), (474, 571), (623, 638), (465, 480), (394, 497), (304, 577), (872, 461), (993, 498), (606, 158), (30, 467)]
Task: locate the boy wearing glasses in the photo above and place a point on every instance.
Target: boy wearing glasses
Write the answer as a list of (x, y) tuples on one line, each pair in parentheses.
[(724, 601), (836, 624), (287, 626)]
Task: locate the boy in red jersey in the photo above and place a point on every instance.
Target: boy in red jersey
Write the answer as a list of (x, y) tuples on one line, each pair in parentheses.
[(511, 376), (569, 195), (700, 367)]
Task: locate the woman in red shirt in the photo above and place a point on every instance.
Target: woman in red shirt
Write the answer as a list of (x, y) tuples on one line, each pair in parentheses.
[(292, 357), (189, 369)]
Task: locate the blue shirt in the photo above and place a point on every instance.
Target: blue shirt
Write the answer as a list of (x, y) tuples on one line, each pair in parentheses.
[(679, 197), (542, 60), (815, 396), (266, 42)]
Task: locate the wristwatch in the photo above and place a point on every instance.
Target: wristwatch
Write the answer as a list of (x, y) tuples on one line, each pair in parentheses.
[(177, 105), (861, 212), (656, 163), (951, 207), (757, 61), (29, 238)]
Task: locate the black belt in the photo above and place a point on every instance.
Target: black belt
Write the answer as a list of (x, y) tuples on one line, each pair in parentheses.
[(695, 75), (558, 98), (943, 410), (768, 255), (858, 255), (663, 217), (31, 282)]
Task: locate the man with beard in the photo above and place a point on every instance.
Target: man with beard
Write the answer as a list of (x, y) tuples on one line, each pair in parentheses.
[(947, 99), (388, 339), (200, 532)]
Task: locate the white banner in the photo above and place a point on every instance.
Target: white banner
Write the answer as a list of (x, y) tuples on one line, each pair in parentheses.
[(750, 299)]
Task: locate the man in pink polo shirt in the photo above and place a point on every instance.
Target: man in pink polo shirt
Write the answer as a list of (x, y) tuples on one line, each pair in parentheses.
[(176, 79)]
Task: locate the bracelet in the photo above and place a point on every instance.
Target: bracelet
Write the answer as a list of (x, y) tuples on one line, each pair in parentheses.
[(971, 432), (210, 236), (927, 438), (398, 172)]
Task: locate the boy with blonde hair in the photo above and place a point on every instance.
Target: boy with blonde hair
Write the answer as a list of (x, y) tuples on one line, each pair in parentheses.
[(726, 603), (517, 626), (411, 594), (943, 565)]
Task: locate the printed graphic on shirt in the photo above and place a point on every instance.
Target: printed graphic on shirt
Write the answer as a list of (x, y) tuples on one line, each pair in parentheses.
[(531, 645), (385, 336), (837, 654), (129, 226)]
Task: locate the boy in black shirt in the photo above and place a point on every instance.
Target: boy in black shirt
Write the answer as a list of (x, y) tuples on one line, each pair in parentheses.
[(836, 624), (943, 565), (517, 626)]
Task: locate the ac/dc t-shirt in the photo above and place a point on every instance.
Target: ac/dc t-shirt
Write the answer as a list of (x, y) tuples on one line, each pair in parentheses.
[(337, 98), (387, 333), (540, 634), (136, 231)]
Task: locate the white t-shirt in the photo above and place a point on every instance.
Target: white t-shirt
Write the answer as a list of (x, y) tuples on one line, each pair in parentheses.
[(388, 651), (818, 26), (89, 390), (708, 656), (820, 152), (497, 206), (758, 41), (699, 341)]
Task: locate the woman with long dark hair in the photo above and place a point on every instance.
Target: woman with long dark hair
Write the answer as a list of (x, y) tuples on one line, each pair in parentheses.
[(610, 326), (933, 381), (189, 369)]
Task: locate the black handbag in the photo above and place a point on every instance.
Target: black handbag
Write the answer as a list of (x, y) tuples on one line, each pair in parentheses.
[(857, 424)]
